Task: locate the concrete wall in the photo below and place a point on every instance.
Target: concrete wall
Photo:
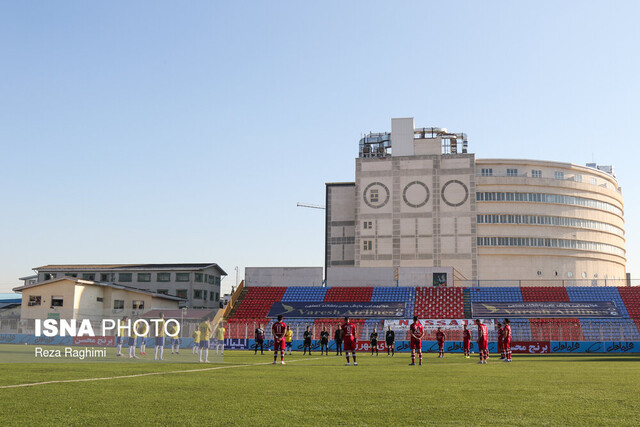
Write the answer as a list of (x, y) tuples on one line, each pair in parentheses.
[(416, 211), (386, 276), (283, 276)]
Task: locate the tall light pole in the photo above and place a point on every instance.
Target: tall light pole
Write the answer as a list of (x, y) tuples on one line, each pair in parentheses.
[(236, 276)]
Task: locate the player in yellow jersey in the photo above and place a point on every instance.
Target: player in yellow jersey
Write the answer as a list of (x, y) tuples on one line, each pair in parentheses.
[(205, 335), (159, 338), (196, 340), (175, 339), (143, 333), (122, 334), (220, 338), (288, 340)]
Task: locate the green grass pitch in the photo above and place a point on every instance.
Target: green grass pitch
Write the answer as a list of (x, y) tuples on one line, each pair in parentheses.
[(248, 390)]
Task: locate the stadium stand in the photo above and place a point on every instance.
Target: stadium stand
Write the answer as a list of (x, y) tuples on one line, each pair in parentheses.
[(447, 303), (495, 294), (301, 293), (439, 303), (631, 299), (349, 294), (580, 293), (544, 294), (556, 329)]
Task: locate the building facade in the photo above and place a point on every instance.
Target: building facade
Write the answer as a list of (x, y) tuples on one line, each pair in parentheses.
[(421, 200), (198, 284), (71, 298)]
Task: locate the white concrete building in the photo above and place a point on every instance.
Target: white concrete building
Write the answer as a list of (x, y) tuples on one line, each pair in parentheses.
[(421, 200), (198, 284)]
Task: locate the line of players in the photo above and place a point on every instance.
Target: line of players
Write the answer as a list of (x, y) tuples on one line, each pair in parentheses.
[(203, 339), (416, 330)]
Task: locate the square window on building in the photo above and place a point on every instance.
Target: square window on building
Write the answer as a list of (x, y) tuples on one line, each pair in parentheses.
[(211, 296), (593, 181), (212, 279), (57, 301), (217, 296), (144, 277), (137, 305), (49, 276), (164, 277), (182, 293), (374, 196), (367, 225), (125, 277), (105, 277), (558, 175), (367, 245), (198, 277), (35, 300), (197, 294), (486, 171), (71, 274), (163, 291), (512, 172), (536, 173), (182, 277), (100, 299), (118, 304), (577, 178), (88, 276)]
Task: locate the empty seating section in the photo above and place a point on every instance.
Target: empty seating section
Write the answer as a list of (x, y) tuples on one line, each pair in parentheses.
[(521, 330), (631, 299), (439, 303), (544, 294), (556, 330), (349, 294), (301, 293), (396, 294), (446, 303), (609, 330), (258, 301), (495, 294), (580, 293)]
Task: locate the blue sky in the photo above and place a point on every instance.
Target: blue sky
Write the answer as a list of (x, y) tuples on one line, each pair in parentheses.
[(186, 132)]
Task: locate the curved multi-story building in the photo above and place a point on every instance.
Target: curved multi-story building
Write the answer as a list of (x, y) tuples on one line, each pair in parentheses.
[(422, 206)]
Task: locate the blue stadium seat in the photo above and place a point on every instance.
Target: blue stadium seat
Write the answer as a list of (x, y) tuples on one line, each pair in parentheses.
[(582, 293)]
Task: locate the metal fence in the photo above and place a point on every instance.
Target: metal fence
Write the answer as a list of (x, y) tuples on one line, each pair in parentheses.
[(522, 330)]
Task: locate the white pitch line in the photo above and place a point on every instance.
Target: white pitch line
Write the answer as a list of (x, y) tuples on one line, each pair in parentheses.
[(79, 380)]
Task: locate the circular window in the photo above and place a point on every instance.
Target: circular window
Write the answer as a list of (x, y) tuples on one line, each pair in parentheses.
[(455, 193), (376, 195), (570, 274), (584, 274), (539, 273), (415, 194)]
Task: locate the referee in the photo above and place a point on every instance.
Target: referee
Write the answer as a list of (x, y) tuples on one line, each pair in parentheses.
[(390, 337)]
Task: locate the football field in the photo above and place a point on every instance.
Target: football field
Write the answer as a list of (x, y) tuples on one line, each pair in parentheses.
[(320, 390)]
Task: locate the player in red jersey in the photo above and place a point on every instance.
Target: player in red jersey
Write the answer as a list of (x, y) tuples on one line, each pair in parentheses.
[(440, 337), (466, 342), (500, 336), (483, 341), (348, 333), (506, 339), (416, 331), (278, 330)]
